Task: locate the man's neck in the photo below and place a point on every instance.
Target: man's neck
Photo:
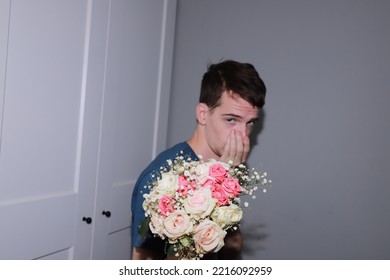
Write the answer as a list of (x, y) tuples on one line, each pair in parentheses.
[(199, 145)]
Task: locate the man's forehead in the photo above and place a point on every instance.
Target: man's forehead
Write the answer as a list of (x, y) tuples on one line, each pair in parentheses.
[(234, 104)]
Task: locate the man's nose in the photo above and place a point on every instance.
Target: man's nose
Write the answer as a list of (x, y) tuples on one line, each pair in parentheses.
[(243, 129)]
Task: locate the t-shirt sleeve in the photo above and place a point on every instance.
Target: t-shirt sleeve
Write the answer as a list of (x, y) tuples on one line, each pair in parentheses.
[(145, 179), (138, 213)]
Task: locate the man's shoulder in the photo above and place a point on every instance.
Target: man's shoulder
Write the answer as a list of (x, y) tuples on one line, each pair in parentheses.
[(171, 153), (162, 159)]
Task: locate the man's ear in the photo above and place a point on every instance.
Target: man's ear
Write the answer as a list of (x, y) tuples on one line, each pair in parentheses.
[(201, 113)]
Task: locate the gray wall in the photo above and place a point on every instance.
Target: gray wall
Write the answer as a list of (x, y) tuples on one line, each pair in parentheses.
[(325, 139)]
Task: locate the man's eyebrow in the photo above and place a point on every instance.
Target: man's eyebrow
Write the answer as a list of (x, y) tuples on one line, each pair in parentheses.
[(239, 117), (232, 115)]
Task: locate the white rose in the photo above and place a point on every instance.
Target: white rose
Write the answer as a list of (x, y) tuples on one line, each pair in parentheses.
[(167, 184), (176, 225), (200, 203), (208, 237), (202, 171), (153, 196), (156, 225), (226, 216)]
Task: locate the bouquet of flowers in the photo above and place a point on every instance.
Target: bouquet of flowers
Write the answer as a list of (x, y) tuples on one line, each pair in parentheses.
[(192, 204)]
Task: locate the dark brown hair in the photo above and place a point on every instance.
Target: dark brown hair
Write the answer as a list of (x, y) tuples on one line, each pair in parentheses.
[(240, 78)]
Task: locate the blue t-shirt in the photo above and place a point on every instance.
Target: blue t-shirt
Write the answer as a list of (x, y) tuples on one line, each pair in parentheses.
[(145, 179)]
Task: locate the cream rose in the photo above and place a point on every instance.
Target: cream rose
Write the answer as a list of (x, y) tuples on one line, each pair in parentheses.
[(200, 203), (202, 172), (208, 237), (176, 225), (226, 216), (156, 225), (167, 184)]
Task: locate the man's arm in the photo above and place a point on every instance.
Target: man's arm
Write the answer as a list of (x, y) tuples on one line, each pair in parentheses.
[(236, 152)]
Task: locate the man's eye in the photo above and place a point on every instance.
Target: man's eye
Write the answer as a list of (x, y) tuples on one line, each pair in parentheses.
[(251, 123), (230, 120)]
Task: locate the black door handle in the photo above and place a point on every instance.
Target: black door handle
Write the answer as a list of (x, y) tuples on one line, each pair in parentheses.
[(88, 220), (107, 214)]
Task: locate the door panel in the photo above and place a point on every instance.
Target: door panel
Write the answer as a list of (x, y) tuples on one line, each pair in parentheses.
[(4, 27), (96, 41), (84, 88), (119, 243), (139, 50), (121, 210), (60, 255), (37, 227), (116, 249), (42, 98), (40, 127), (128, 113)]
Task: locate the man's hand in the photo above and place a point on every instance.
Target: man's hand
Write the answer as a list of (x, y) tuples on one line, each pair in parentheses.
[(236, 149)]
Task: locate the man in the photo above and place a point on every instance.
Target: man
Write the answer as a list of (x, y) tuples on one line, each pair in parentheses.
[(232, 93)]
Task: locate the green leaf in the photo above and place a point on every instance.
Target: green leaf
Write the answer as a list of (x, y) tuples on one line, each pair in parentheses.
[(171, 250), (143, 228), (185, 241)]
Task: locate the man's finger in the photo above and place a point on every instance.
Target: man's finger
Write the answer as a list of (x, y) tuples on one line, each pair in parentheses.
[(233, 147), (225, 157), (246, 144), (238, 157)]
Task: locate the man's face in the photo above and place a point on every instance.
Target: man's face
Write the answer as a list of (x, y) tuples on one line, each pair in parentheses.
[(233, 114)]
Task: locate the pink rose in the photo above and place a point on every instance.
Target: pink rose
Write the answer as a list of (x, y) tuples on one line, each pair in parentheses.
[(185, 186), (165, 205), (231, 187), (220, 195), (218, 171), (208, 237), (209, 183), (176, 225)]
